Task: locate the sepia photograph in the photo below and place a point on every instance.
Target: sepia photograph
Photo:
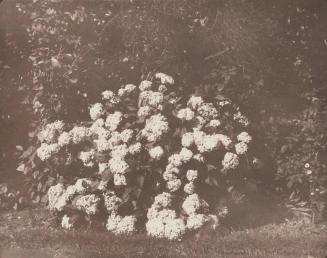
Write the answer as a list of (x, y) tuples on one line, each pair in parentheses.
[(163, 128)]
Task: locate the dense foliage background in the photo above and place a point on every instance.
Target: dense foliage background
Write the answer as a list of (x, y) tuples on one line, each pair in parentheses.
[(269, 58)]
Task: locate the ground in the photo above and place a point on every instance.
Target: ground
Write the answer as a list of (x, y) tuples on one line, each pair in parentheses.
[(31, 233)]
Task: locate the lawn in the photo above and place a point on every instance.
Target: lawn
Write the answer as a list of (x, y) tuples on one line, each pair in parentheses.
[(31, 233)]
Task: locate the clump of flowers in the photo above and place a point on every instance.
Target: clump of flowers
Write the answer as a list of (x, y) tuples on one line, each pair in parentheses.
[(146, 154)]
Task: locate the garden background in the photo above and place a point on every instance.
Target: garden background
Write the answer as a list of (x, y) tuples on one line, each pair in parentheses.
[(57, 57)]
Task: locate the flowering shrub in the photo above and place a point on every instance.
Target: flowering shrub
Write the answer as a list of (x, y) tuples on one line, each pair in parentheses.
[(146, 153)]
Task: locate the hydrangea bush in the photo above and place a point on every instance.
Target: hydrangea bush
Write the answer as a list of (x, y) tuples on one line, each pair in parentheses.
[(147, 158)]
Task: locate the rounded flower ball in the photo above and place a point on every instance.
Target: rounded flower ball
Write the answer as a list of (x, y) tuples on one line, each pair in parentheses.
[(96, 111), (230, 161), (156, 152)]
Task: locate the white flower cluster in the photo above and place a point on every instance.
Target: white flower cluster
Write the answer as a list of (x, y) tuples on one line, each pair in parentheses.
[(46, 151), (191, 176), (87, 157), (96, 111), (163, 221), (164, 78), (51, 131), (111, 202), (156, 152), (185, 114), (59, 196), (48, 138), (240, 118), (89, 203), (155, 127), (54, 194), (230, 161), (121, 225)]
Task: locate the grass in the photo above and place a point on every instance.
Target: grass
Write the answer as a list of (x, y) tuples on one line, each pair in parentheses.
[(30, 234)]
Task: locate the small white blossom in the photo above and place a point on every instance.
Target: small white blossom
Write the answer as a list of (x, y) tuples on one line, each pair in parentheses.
[(118, 166), (175, 229), (241, 148), (111, 201), (164, 78), (135, 148), (238, 117), (102, 144), (192, 175), (224, 103), (151, 98), (156, 152), (96, 111), (112, 222), (155, 127), (87, 157), (200, 122), (163, 200), (155, 228), (187, 140), (130, 88), (46, 151), (126, 135), (244, 137), (215, 123), (185, 114), (144, 112), (199, 157), (78, 134), (207, 111), (230, 161), (126, 226), (225, 140), (191, 204), (175, 160), (189, 188), (194, 102), (70, 192), (196, 221), (115, 139), (120, 180), (174, 185), (119, 151), (145, 85), (162, 88), (122, 92), (108, 95), (169, 175), (54, 194), (64, 139), (185, 154), (114, 120), (89, 203)]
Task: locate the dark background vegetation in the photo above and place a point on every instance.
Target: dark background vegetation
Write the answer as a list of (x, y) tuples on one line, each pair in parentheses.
[(269, 57)]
